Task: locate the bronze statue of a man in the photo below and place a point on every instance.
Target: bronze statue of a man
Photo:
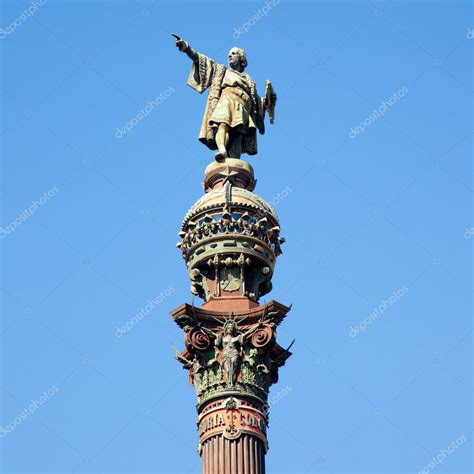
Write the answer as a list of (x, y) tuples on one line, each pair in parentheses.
[(234, 111)]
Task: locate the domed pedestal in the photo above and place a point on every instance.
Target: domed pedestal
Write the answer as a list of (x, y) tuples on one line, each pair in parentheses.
[(239, 171), (230, 236)]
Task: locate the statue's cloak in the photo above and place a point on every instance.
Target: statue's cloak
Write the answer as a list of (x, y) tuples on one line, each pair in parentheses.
[(207, 73)]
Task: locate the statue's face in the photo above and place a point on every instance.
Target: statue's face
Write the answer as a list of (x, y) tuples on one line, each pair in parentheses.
[(234, 58), (230, 330)]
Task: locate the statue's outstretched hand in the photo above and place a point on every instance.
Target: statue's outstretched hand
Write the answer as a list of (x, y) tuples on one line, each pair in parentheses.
[(180, 43)]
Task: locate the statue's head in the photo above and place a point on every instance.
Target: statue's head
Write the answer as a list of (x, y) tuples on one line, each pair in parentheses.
[(230, 328), (237, 59)]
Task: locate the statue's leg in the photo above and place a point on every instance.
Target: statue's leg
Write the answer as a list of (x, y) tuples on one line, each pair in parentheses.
[(228, 371), (222, 140), (235, 371), (235, 145), (232, 371)]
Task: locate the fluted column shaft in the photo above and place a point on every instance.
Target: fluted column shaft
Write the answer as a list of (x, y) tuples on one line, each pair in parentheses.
[(245, 455)]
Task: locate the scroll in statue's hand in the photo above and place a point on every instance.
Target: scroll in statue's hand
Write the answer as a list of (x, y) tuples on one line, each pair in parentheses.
[(270, 100)]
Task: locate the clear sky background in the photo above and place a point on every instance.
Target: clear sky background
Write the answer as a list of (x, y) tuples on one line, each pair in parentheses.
[(365, 215)]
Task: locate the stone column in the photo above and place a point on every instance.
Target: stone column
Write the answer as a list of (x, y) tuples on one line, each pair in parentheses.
[(230, 242)]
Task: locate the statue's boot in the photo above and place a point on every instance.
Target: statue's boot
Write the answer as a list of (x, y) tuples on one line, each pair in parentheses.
[(221, 156)]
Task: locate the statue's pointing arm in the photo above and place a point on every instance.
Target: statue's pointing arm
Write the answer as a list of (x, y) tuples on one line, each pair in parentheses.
[(202, 69), (184, 47)]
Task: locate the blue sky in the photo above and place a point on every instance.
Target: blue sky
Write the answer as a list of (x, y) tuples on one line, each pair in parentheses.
[(366, 214)]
